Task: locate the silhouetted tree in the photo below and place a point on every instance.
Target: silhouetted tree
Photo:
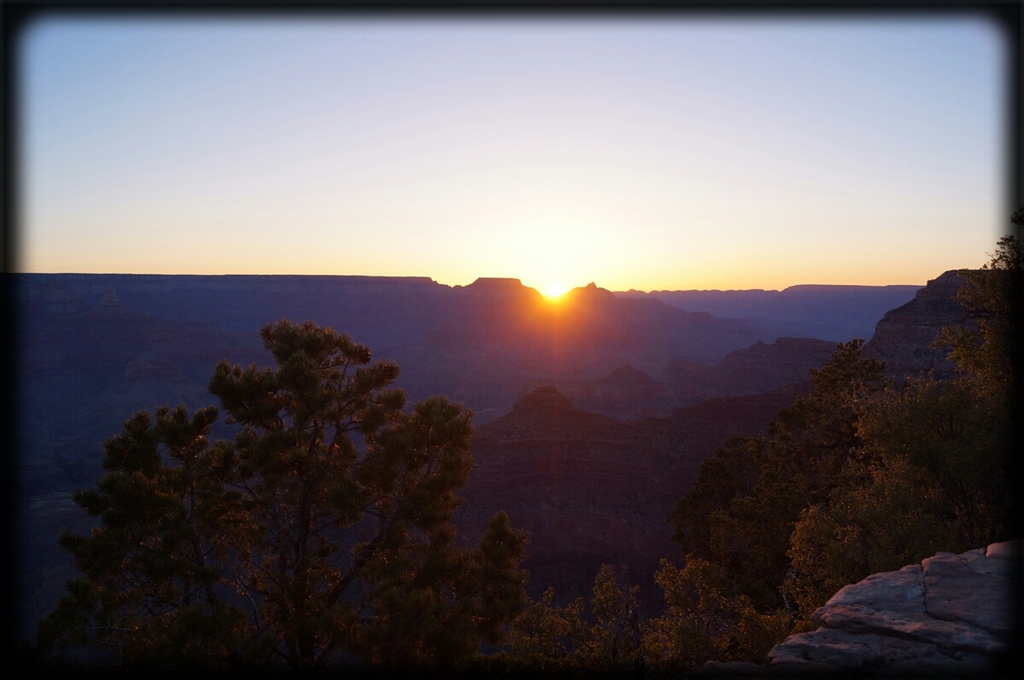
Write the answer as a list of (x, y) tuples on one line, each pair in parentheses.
[(153, 570), (322, 533)]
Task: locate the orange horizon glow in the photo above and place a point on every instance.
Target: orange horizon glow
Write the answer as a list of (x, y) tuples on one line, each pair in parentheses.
[(553, 292), (645, 155)]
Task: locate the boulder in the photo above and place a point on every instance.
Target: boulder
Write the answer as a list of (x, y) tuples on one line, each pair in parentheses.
[(950, 614)]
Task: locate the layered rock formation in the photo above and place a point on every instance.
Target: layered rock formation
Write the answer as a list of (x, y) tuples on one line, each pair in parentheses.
[(903, 337), (95, 348), (628, 393), (592, 490), (834, 313), (499, 336), (762, 367), (951, 614)]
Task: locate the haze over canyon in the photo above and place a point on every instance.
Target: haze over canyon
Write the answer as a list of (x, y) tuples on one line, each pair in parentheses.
[(592, 412)]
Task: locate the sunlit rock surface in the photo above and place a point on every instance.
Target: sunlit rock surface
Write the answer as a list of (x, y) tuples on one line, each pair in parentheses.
[(950, 614)]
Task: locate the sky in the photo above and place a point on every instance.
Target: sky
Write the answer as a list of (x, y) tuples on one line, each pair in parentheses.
[(653, 154)]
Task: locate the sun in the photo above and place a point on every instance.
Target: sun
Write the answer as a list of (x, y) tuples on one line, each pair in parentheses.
[(553, 291)]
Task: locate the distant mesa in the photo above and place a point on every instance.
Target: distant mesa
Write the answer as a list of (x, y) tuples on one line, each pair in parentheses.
[(803, 353), (483, 282), (627, 377), (761, 367), (543, 401), (498, 290), (496, 285), (828, 312), (590, 292)]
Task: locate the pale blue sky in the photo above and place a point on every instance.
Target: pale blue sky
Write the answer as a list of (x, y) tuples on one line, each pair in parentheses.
[(645, 154)]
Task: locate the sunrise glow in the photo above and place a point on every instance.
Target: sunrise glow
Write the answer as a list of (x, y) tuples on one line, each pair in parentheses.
[(581, 150), (554, 291)]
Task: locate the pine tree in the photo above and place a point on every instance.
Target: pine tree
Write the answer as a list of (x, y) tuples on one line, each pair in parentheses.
[(322, 534), (152, 571)]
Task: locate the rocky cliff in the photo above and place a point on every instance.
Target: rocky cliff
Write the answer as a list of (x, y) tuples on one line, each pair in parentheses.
[(951, 615), (592, 490), (903, 337), (762, 367)]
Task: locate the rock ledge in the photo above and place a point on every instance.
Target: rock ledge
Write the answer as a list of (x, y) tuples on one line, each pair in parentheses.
[(950, 614)]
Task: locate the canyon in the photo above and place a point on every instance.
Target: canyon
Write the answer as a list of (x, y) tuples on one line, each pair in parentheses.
[(592, 414)]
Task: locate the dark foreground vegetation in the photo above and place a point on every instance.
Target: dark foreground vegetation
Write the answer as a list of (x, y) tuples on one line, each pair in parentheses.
[(321, 537)]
